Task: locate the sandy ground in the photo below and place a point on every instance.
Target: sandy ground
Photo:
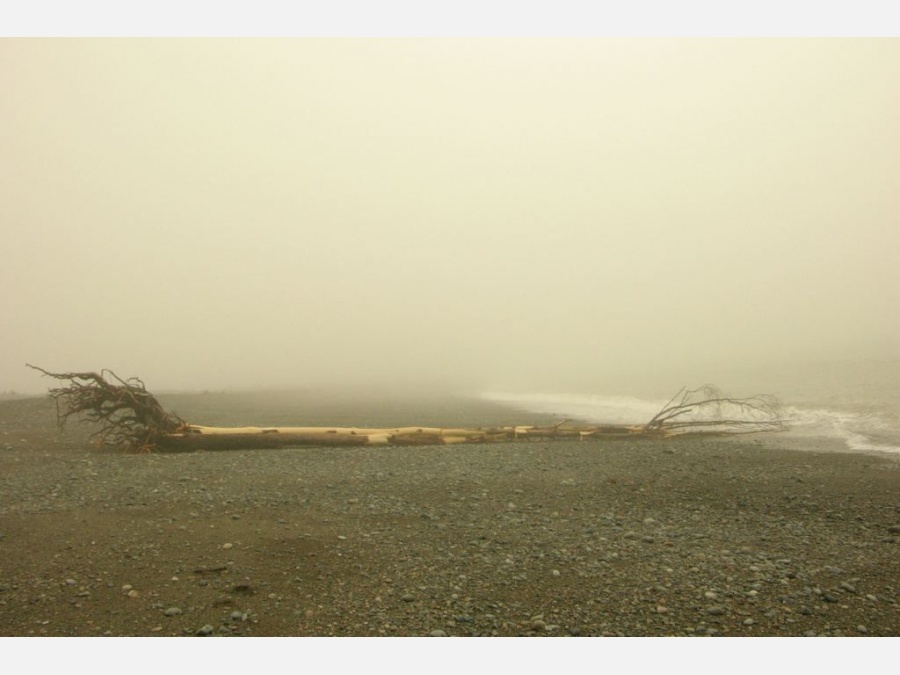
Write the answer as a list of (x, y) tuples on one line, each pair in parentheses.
[(728, 537)]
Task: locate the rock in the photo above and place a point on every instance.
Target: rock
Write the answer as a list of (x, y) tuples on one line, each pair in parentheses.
[(173, 611), (206, 630), (438, 633), (407, 597), (847, 586), (227, 546), (715, 610)]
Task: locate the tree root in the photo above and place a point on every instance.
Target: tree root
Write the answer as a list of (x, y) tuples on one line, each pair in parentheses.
[(127, 415)]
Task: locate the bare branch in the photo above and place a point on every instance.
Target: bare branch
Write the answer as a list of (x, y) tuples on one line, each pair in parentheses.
[(711, 411)]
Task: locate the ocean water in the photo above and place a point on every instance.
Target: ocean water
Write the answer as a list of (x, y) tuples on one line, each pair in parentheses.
[(853, 404)]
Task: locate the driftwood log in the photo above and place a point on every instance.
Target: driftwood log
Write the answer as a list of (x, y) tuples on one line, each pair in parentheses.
[(129, 417)]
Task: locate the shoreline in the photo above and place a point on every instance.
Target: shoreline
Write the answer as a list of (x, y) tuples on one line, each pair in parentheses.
[(730, 536)]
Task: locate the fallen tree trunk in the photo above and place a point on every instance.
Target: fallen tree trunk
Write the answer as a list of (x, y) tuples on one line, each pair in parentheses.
[(131, 418)]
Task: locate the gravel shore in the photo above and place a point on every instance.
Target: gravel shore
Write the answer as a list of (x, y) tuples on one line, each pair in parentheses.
[(720, 536)]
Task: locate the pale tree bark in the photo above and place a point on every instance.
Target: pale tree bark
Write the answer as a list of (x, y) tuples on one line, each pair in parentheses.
[(131, 418)]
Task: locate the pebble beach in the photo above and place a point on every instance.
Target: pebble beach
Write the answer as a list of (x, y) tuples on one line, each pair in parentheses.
[(741, 536)]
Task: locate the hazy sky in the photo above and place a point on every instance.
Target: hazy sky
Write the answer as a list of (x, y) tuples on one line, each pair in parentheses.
[(542, 214)]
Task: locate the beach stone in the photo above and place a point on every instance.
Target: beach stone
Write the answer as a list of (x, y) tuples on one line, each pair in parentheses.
[(206, 630), (407, 597), (438, 633), (173, 611)]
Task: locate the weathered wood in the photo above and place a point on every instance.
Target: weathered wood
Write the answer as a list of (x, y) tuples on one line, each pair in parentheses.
[(248, 441), (130, 417)]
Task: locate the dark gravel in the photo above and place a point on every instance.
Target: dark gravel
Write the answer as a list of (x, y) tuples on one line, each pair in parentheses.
[(730, 537)]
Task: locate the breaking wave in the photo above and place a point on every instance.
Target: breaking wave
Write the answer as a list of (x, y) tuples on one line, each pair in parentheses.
[(875, 432)]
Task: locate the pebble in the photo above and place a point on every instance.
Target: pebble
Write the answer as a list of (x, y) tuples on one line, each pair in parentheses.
[(438, 633), (173, 611), (407, 597), (206, 630), (715, 610), (227, 546)]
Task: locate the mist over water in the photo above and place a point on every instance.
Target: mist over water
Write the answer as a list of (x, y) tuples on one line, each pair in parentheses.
[(586, 217), (854, 402)]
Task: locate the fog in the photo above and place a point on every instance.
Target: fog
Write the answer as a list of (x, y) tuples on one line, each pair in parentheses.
[(459, 214)]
